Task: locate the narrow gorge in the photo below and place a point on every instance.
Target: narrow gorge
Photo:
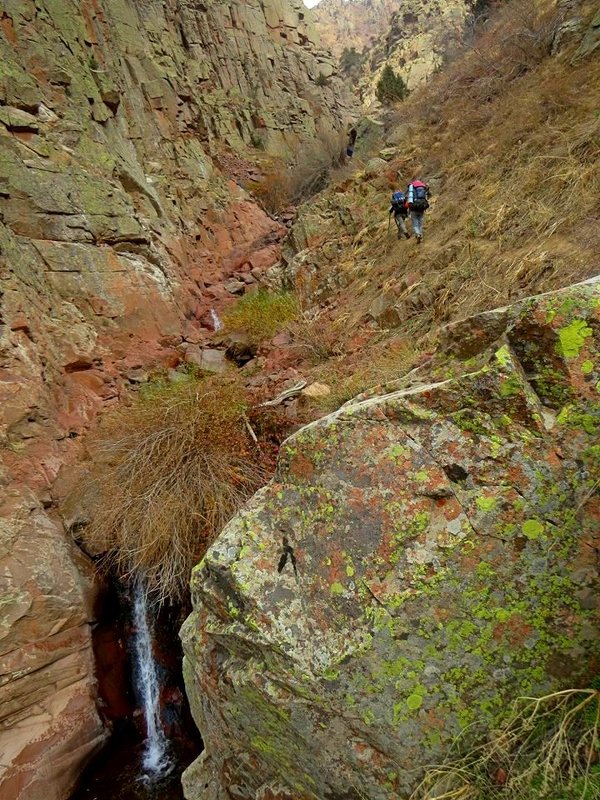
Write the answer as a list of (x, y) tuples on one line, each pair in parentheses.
[(290, 508), (119, 232)]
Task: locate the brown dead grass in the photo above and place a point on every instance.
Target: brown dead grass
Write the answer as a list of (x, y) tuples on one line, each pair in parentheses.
[(508, 137), (377, 367), (168, 471)]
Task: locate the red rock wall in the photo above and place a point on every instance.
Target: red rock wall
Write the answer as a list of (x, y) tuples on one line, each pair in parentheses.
[(117, 234)]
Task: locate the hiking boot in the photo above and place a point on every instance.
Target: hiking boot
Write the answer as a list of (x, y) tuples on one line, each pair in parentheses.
[(407, 234), (419, 239)]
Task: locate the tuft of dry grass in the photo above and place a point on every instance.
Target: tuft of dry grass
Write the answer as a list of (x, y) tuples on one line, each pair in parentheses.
[(316, 338), (374, 366), (168, 471), (548, 750)]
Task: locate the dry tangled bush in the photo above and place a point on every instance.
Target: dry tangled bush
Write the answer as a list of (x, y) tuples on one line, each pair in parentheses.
[(169, 470), (547, 750), (290, 185)]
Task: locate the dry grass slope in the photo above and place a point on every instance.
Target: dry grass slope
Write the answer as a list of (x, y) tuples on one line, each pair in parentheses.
[(508, 136)]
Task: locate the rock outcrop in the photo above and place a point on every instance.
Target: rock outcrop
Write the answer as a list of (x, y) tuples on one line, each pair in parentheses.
[(423, 556), (412, 37), (352, 23), (118, 235), (418, 39)]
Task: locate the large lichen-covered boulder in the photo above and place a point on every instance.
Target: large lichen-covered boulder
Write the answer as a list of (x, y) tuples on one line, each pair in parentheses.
[(421, 558)]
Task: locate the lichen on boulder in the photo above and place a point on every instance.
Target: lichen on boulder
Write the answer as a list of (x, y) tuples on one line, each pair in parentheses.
[(422, 557)]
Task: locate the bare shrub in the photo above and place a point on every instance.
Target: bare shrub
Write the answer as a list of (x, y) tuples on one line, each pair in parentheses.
[(310, 173), (168, 471), (312, 170)]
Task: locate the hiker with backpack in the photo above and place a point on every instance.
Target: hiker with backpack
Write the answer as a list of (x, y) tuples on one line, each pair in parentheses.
[(352, 134), (418, 203), (400, 211)]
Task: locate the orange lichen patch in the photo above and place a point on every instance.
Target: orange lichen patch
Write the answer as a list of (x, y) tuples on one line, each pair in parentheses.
[(434, 721), (515, 629), (301, 467), (336, 570), (8, 28)]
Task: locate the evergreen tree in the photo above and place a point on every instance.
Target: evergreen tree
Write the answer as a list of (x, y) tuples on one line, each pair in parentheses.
[(390, 87), (350, 61)]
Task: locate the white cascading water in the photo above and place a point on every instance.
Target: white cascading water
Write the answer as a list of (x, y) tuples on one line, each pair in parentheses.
[(217, 324), (155, 760)]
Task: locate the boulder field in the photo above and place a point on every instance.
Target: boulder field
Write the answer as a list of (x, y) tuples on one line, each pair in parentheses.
[(422, 557)]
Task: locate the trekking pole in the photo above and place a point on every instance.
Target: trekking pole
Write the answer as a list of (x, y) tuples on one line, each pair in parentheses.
[(389, 222)]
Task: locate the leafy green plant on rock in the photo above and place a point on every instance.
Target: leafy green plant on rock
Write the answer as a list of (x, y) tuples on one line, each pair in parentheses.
[(547, 750)]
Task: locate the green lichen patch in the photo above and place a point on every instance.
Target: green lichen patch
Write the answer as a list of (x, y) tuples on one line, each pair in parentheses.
[(573, 337), (532, 528)]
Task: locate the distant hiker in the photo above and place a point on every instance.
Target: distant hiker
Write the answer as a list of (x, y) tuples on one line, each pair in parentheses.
[(400, 211), (352, 134), (418, 196)]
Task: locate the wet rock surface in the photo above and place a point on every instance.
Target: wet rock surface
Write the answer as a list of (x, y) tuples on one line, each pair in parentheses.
[(423, 556)]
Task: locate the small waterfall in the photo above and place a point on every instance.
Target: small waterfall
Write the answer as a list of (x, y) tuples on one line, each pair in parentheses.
[(155, 759), (217, 324)]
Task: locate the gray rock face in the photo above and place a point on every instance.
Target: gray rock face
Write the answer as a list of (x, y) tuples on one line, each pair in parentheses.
[(591, 40), (422, 557), (374, 166)]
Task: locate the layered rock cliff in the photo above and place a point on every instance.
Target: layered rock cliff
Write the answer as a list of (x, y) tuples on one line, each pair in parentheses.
[(419, 37), (413, 37), (353, 23), (117, 232), (422, 557)]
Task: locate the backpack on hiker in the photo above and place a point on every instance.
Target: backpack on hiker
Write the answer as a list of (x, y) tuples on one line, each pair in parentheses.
[(399, 204), (419, 201)]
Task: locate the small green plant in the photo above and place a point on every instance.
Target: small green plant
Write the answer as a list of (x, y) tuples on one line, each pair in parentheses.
[(257, 140), (351, 62), (548, 750), (322, 80), (262, 314), (390, 87)]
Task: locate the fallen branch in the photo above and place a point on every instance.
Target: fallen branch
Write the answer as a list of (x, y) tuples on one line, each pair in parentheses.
[(285, 395)]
